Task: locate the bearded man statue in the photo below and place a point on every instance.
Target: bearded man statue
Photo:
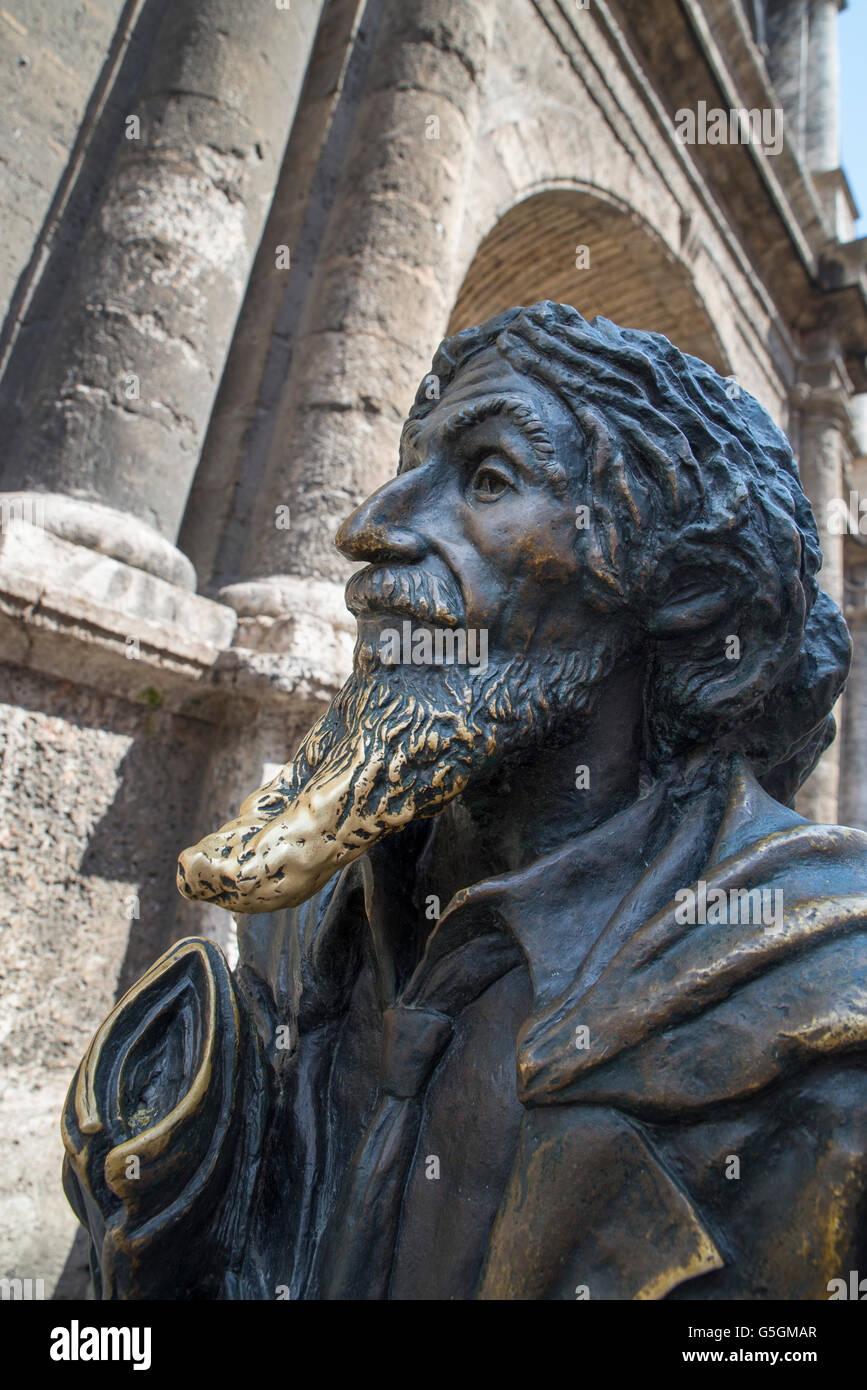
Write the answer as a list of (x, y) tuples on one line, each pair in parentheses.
[(545, 990)]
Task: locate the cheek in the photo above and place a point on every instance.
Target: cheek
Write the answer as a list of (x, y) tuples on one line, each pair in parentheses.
[(525, 539), (545, 549), (544, 561)]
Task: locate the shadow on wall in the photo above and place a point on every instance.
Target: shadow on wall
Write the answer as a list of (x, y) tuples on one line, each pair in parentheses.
[(100, 794), (68, 750), (140, 834), (74, 1284)]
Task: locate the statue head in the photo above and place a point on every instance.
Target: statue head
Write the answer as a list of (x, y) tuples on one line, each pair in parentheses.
[(574, 502)]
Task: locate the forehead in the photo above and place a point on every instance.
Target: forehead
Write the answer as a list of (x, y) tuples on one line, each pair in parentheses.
[(487, 373), (490, 374)]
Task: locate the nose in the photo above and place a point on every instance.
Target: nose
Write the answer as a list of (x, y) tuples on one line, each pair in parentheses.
[(375, 531)]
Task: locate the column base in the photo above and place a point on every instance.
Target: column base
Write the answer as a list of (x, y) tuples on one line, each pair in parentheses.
[(79, 616), (299, 622), (100, 528)]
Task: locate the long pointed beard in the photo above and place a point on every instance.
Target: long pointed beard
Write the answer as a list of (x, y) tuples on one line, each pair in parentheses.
[(392, 747)]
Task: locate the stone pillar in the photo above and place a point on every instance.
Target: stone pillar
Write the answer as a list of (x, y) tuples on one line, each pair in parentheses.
[(823, 84), (379, 301), (859, 425), (229, 475), (853, 750), (112, 430), (824, 445), (759, 23), (787, 24), (824, 424)]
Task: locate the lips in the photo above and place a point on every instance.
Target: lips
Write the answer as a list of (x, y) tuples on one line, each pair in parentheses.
[(406, 591)]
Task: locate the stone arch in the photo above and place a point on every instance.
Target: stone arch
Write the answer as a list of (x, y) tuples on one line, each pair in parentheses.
[(632, 277)]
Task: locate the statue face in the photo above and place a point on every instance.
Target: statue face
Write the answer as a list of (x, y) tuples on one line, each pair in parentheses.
[(477, 532), (477, 506)]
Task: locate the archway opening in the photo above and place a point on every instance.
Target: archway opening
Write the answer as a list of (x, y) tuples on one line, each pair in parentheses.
[(579, 249)]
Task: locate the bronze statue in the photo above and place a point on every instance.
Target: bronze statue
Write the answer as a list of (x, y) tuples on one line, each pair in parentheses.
[(545, 991)]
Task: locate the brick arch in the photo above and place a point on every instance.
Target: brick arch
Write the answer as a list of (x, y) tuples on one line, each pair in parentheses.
[(633, 277)]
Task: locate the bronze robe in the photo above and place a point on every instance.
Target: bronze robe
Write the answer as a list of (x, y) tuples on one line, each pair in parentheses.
[(378, 1106)]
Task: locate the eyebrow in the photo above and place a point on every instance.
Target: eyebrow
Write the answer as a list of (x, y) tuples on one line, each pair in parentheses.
[(474, 413)]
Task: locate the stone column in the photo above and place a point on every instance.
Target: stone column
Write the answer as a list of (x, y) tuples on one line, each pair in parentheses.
[(823, 84), (853, 750), (379, 301), (859, 426), (824, 445), (235, 452), (759, 25), (111, 433), (787, 29), (824, 425)]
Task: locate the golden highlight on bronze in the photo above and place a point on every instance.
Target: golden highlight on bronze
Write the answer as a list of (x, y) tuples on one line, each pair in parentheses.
[(395, 745), (374, 762)]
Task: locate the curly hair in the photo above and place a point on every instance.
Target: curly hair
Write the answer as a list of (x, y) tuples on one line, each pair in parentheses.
[(692, 488)]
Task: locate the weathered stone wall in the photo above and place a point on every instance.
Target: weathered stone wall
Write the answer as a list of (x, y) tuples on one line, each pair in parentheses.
[(96, 793)]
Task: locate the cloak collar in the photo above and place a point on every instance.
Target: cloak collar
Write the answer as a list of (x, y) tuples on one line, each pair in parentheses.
[(653, 993)]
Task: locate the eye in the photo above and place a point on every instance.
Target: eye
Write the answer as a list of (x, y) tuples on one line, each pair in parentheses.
[(490, 481)]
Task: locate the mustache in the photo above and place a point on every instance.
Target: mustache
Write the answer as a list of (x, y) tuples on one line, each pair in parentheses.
[(408, 591)]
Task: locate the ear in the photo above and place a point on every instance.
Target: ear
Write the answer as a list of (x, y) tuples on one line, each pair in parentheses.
[(690, 600)]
